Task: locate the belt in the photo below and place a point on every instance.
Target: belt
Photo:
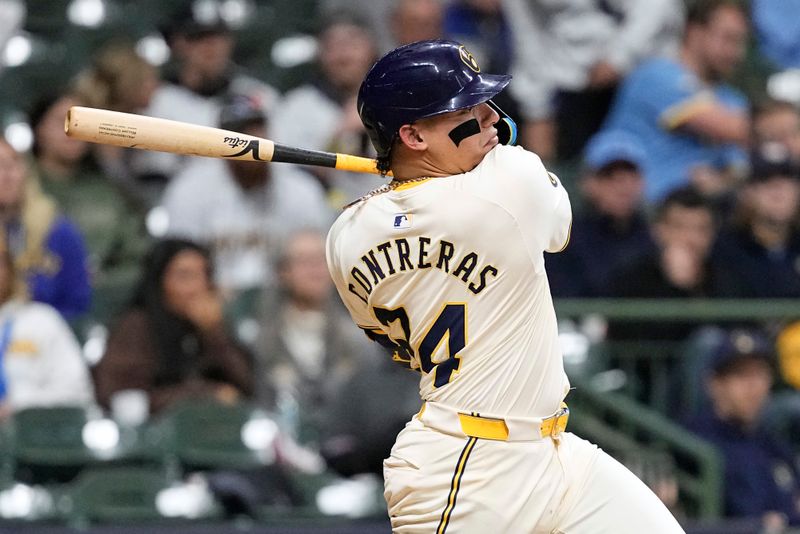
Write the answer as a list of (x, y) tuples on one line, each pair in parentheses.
[(451, 421)]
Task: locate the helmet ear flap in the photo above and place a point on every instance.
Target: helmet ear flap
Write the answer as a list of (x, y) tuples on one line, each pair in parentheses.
[(506, 127)]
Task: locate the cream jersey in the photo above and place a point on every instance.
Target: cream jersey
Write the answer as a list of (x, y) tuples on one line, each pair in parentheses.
[(450, 272)]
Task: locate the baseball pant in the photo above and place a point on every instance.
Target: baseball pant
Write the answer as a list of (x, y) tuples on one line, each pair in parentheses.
[(437, 482)]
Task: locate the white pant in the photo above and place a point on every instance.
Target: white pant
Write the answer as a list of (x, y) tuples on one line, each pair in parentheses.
[(437, 482)]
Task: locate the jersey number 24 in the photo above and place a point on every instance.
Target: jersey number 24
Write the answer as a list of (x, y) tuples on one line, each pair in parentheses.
[(450, 326)]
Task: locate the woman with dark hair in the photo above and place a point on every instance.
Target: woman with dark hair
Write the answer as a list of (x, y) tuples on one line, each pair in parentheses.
[(104, 209), (172, 342)]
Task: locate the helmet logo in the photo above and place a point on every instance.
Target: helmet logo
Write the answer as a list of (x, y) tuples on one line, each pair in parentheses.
[(468, 59)]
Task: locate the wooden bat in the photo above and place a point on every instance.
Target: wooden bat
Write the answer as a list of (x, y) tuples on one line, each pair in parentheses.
[(138, 131)]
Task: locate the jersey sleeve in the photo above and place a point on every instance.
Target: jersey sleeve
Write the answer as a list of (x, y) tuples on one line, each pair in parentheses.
[(535, 197), (356, 306)]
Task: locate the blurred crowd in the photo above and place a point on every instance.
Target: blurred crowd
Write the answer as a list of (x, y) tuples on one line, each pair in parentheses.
[(685, 184)]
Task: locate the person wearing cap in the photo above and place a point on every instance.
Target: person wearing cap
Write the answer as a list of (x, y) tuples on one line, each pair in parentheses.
[(240, 209), (762, 243), (200, 77), (760, 479), (611, 229)]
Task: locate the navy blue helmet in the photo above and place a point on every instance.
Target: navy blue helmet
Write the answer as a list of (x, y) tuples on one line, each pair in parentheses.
[(420, 80)]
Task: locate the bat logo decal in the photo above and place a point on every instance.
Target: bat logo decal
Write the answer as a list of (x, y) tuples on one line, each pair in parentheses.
[(251, 146)]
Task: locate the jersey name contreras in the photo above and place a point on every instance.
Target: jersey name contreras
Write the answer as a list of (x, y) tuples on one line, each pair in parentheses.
[(449, 273)]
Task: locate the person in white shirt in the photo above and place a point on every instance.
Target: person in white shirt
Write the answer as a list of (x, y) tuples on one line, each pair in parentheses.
[(41, 364), (243, 210), (445, 267), (571, 54), (202, 44), (321, 114)]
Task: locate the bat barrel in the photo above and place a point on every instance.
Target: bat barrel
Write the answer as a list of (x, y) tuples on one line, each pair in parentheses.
[(151, 133)]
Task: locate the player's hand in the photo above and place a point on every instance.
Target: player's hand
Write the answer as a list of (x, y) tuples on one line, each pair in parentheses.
[(682, 267), (205, 311), (602, 75)]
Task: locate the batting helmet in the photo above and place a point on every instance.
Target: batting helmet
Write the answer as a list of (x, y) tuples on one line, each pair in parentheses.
[(420, 80)]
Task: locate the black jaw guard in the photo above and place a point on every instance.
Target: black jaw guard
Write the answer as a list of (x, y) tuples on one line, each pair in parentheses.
[(506, 127)]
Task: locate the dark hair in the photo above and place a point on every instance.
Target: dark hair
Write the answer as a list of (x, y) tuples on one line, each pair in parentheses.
[(7, 261), (384, 164), (176, 339), (343, 17), (771, 105), (685, 197), (37, 113), (610, 168), (700, 12)]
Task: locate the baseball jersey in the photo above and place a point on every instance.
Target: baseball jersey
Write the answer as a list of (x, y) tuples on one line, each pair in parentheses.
[(449, 272)]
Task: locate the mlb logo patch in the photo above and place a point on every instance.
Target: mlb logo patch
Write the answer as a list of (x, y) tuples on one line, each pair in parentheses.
[(401, 221)]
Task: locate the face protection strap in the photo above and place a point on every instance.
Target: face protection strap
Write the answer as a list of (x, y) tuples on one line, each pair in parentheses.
[(464, 130), (506, 127)]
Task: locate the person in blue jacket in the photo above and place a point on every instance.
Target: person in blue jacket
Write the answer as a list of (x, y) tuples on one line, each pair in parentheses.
[(47, 248)]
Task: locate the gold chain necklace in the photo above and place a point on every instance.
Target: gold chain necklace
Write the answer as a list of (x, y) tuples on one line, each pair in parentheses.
[(385, 188)]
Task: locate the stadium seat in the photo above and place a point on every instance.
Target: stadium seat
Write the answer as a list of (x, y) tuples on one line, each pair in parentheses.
[(208, 435), (47, 443), (115, 495)]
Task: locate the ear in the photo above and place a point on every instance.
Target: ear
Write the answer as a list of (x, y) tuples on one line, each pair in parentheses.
[(411, 136)]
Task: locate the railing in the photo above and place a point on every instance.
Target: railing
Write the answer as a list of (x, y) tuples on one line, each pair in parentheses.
[(626, 429), (659, 381), (700, 310)]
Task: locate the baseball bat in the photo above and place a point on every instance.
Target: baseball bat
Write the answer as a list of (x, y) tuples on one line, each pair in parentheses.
[(129, 130)]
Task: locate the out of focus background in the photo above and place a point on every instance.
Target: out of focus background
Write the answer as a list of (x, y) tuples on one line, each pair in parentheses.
[(173, 357)]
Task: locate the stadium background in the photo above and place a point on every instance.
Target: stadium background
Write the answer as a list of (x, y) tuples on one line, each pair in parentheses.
[(99, 487)]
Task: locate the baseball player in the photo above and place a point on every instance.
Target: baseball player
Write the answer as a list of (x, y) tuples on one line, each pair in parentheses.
[(445, 267)]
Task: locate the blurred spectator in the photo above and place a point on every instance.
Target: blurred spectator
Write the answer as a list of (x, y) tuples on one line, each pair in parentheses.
[(113, 228), (376, 14), (481, 26), (171, 342), (775, 26), (310, 355), (202, 74), (40, 359), (241, 209), (779, 122), (681, 267), (416, 20), (569, 57), (762, 246), (788, 348), (120, 80), (48, 249), (322, 115), (12, 16), (687, 118), (611, 229), (760, 477)]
